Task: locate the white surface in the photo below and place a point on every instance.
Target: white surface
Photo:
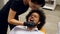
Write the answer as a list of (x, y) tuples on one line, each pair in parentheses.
[(59, 28)]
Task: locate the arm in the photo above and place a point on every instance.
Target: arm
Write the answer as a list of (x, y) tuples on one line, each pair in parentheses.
[(11, 19), (13, 9)]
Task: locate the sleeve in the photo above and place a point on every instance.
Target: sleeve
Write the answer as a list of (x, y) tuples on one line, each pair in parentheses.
[(15, 5)]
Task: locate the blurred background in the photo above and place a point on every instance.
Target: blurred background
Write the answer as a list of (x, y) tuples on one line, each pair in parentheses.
[(52, 12)]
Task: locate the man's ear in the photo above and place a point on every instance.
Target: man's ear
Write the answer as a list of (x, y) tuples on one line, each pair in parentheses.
[(38, 22)]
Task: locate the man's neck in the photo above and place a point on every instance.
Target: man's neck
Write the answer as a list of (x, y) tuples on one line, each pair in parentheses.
[(30, 28)]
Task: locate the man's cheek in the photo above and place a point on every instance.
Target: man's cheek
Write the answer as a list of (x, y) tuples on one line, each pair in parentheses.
[(34, 21)]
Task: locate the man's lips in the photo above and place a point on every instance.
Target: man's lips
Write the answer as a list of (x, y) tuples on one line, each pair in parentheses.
[(31, 20)]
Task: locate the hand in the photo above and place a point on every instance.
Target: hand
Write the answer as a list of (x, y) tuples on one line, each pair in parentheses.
[(29, 24)]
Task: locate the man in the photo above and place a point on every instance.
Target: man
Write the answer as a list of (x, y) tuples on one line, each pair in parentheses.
[(35, 16)]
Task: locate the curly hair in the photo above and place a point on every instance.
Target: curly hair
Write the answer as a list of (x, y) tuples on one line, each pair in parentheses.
[(41, 18)]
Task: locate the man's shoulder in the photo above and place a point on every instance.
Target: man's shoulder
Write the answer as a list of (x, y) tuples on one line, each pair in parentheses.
[(16, 29), (19, 28)]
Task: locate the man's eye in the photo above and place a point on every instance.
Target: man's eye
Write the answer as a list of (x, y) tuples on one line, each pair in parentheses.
[(35, 16)]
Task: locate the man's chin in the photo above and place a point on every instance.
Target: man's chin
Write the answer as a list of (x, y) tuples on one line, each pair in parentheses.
[(30, 27)]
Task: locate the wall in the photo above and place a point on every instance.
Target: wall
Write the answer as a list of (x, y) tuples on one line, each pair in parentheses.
[(58, 2), (5, 1), (1, 3)]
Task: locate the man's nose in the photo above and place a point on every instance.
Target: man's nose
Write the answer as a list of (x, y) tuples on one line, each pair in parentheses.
[(32, 16)]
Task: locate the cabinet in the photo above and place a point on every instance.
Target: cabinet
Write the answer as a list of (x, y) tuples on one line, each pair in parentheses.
[(50, 4)]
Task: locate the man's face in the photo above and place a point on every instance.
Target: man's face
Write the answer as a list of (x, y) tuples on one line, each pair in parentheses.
[(34, 17), (34, 5)]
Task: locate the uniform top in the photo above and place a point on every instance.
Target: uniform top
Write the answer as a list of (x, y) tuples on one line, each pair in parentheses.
[(16, 5), (19, 7)]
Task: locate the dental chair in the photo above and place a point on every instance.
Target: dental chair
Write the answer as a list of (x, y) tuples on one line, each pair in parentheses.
[(43, 30)]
